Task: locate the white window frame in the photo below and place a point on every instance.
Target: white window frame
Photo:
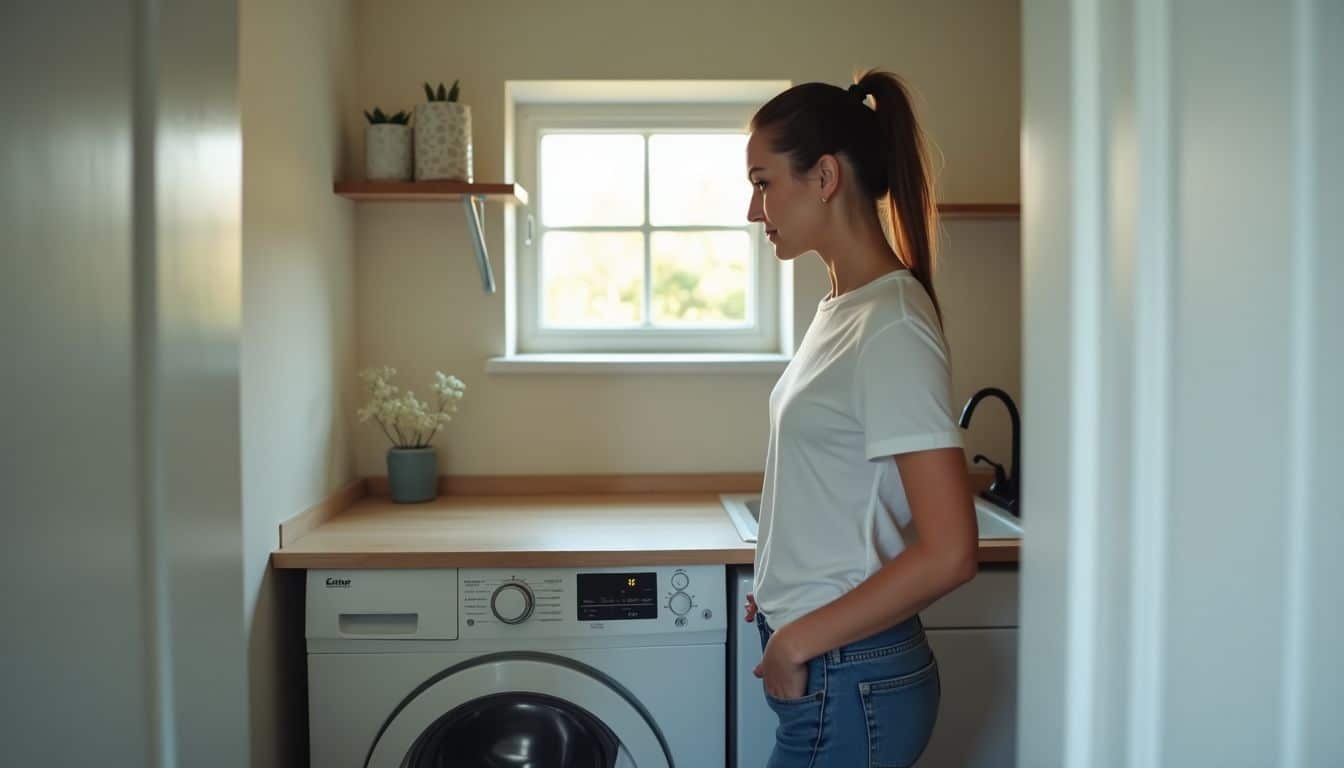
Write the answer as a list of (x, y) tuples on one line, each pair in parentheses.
[(767, 331)]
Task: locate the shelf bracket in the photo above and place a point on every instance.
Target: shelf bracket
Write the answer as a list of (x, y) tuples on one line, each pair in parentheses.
[(474, 230)]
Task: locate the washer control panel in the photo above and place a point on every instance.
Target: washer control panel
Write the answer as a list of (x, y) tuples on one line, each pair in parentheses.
[(498, 602)]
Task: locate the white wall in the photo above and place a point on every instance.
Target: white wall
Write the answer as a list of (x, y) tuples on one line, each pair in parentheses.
[(1181, 167), (298, 332), (420, 304)]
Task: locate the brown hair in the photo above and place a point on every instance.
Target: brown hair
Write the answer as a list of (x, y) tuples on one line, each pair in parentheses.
[(885, 145)]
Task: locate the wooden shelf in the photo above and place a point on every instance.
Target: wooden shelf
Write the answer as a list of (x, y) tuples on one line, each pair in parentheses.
[(980, 210), (429, 190), (514, 193)]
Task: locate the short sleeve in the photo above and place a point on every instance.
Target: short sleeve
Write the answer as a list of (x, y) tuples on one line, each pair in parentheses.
[(903, 392)]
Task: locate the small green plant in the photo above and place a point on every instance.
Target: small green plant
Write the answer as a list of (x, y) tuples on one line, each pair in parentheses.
[(378, 116), (442, 94)]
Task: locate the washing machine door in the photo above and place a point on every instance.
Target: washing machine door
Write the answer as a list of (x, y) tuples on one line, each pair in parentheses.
[(520, 710)]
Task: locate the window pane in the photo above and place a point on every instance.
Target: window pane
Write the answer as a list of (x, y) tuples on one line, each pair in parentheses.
[(592, 278), (700, 277), (592, 180), (698, 179)]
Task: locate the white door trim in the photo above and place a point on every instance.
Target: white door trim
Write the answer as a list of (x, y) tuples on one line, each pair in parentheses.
[(1182, 355), (1152, 378)]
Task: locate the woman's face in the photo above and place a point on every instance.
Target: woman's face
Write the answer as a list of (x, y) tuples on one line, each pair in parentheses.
[(789, 207)]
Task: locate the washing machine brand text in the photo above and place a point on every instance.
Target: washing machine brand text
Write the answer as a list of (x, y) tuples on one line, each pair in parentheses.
[(334, 582)]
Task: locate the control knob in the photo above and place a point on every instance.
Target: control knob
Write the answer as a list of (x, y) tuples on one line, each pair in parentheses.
[(680, 603), (512, 603)]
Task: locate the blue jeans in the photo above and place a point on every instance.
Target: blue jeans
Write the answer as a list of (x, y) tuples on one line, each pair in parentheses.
[(870, 703)]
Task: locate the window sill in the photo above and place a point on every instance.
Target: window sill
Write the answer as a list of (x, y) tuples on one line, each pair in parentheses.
[(712, 363)]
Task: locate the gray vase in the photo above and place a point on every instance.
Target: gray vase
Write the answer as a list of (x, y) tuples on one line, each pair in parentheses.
[(412, 474)]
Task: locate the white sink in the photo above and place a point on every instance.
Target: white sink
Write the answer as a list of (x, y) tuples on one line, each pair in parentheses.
[(744, 509), (995, 521)]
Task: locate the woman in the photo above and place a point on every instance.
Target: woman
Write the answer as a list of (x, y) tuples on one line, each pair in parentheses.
[(866, 513)]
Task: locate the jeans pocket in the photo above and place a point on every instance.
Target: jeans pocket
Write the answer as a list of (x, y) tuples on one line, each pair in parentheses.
[(901, 712), (778, 703), (813, 687), (799, 730)]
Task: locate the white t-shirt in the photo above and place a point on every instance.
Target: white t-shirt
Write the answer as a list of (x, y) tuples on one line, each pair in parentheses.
[(869, 380)]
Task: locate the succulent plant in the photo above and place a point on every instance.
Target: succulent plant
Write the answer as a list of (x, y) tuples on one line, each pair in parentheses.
[(378, 116), (442, 94)]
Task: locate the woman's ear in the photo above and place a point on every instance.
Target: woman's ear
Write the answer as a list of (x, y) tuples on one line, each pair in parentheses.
[(828, 172)]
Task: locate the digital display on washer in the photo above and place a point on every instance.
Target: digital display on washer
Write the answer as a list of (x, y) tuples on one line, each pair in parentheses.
[(617, 596)]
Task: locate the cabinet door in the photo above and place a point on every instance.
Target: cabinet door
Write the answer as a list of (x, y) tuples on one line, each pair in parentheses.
[(988, 600), (977, 717)]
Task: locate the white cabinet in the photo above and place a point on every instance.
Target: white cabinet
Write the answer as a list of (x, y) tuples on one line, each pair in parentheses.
[(977, 717), (973, 632)]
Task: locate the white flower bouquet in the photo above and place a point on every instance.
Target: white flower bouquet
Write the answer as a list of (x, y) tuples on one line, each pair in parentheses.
[(405, 419)]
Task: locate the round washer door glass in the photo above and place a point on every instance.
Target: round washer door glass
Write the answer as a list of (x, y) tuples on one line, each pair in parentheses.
[(519, 711), (510, 730)]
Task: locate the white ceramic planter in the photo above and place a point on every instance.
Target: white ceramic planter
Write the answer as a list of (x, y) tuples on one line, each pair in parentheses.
[(443, 141), (387, 152)]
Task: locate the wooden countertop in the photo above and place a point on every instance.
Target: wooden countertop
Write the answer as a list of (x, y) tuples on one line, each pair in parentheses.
[(359, 528), (523, 531)]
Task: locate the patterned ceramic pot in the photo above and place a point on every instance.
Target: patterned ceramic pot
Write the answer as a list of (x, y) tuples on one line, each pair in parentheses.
[(443, 141), (387, 152)]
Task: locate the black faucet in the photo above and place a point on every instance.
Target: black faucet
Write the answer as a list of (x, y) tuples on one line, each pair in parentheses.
[(1004, 489)]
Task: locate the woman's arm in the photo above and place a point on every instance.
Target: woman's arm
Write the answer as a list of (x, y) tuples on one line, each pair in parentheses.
[(942, 557)]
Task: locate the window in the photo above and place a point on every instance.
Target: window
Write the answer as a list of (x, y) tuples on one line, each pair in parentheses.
[(636, 239)]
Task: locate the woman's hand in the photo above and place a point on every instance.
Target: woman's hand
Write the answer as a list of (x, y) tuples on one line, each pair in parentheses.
[(784, 679), (751, 608)]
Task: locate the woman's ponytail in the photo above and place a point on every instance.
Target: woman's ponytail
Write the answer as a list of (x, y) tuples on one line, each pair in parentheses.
[(910, 202)]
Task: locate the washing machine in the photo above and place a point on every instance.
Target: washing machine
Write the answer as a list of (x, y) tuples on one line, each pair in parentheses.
[(525, 668)]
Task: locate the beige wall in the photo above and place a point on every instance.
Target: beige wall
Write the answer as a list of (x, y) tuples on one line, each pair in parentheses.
[(298, 331), (420, 305)]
